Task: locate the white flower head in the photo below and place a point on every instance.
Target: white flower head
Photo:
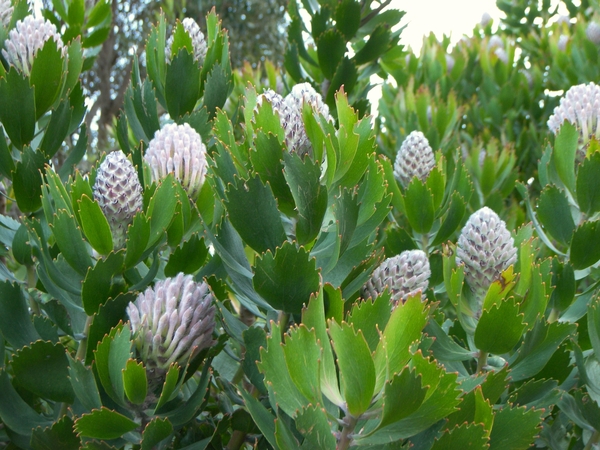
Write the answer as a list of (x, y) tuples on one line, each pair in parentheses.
[(198, 40), (304, 93), (178, 149), (414, 159), (26, 39), (593, 32)]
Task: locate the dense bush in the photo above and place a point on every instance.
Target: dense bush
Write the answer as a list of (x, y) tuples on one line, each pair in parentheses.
[(262, 263)]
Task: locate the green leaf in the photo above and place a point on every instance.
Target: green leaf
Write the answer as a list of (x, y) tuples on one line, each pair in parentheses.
[(15, 413), (377, 44), (585, 246), (452, 220), (313, 316), (7, 165), (515, 428), (187, 257), (273, 366), (588, 184), (14, 310), (60, 435), (57, 129), (156, 431), (346, 209), (254, 338), (84, 384), (138, 235), (169, 385), (47, 77), (471, 436), (357, 371), (161, 209), (347, 18), (331, 47), (104, 424), (403, 328), (17, 108), (135, 382), (499, 328), (406, 389), (473, 408), (309, 194), (565, 150), (70, 241), (27, 180), (371, 316), (287, 279), (302, 355), (312, 423), (554, 213), (111, 358), (265, 421), (253, 212), (418, 201), (346, 76), (42, 368), (216, 89), (95, 226), (593, 322), (182, 87)]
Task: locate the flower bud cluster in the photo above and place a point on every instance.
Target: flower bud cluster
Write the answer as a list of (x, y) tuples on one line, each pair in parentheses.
[(24, 41), (486, 249), (414, 159), (581, 107), (118, 191), (6, 10), (172, 321), (178, 149), (404, 275), (198, 41)]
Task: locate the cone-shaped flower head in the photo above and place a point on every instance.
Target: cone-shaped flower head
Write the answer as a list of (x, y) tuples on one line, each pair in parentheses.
[(304, 93), (198, 40), (563, 40), (24, 41), (581, 107), (118, 192), (291, 121), (6, 10), (486, 248), (593, 32), (404, 275), (172, 321), (414, 159), (178, 149)]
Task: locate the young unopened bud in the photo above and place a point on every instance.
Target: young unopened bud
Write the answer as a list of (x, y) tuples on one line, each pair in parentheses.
[(198, 41), (404, 275), (24, 41), (172, 322), (118, 191), (485, 19), (486, 249), (414, 159), (581, 107), (304, 93), (593, 32), (6, 10), (178, 149), (563, 40), (291, 121)]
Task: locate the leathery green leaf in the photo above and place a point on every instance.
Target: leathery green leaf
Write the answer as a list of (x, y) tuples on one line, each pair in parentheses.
[(95, 226), (104, 423), (312, 423), (357, 371), (135, 382), (500, 328)]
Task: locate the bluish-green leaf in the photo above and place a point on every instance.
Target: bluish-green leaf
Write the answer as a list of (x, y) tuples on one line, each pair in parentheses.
[(104, 424), (70, 241), (156, 431), (95, 226), (515, 428), (182, 87), (135, 382), (499, 328), (588, 184), (313, 424), (14, 310), (46, 77), (27, 180), (418, 201), (554, 213), (331, 47), (84, 384), (17, 108), (565, 150), (585, 246), (60, 435)]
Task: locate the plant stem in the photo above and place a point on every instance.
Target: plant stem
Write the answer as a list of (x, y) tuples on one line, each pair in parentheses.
[(593, 440), (482, 361), (237, 440), (81, 350), (346, 437)]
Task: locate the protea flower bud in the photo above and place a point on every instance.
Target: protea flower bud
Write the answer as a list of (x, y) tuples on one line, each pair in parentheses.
[(485, 19), (563, 40), (118, 192), (24, 41), (593, 32), (304, 93), (495, 42), (486, 249), (198, 40), (581, 107), (172, 322), (178, 149), (291, 121), (404, 275), (6, 10), (414, 159)]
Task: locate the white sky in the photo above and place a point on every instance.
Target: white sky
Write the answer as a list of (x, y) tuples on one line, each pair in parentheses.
[(450, 17)]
